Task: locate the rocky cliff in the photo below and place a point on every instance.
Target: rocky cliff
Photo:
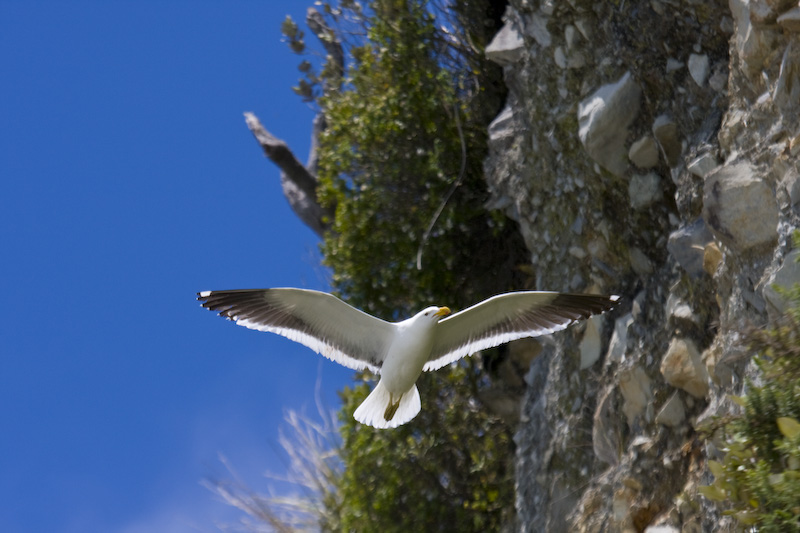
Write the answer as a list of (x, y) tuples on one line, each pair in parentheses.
[(648, 149)]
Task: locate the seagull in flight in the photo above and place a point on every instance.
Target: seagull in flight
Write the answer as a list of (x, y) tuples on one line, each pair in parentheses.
[(400, 351)]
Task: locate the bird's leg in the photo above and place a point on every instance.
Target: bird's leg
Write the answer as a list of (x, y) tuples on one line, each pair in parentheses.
[(391, 409)]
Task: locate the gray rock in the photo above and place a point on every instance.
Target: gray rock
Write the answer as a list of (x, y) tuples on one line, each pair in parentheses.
[(560, 57), (606, 431), (666, 133), (619, 339), (687, 246), (591, 343), (637, 393), (673, 413), (640, 263), (644, 152), (790, 20), (786, 276), (537, 28), (603, 120), (673, 65), (740, 207), (791, 182), (683, 368), (507, 46), (718, 80), (787, 88), (752, 42), (662, 529), (644, 190), (703, 164), (570, 35), (699, 67), (503, 126), (680, 311)]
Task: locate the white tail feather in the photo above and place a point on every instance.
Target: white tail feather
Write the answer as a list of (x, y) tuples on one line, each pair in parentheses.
[(372, 411)]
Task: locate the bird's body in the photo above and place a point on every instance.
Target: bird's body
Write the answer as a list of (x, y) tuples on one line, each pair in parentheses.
[(400, 351), (409, 350)]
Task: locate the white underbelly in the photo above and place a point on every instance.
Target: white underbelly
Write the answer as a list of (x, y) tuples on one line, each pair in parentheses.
[(404, 362)]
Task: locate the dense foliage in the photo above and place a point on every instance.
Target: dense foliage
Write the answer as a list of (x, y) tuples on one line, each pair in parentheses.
[(401, 166), (446, 470), (759, 475), (406, 125)]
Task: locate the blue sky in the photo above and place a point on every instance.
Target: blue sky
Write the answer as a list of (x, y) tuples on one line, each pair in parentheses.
[(129, 183)]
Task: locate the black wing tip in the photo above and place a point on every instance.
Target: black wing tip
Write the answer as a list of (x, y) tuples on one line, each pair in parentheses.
[(587, 304)]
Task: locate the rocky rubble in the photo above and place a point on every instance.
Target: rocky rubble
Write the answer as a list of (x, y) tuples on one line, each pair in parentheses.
[(649, 149)]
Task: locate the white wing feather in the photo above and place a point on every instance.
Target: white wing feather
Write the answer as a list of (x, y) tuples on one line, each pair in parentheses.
[(315, 319), (508, 317)]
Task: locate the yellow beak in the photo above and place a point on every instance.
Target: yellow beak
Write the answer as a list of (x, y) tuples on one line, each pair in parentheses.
[(443, 311)]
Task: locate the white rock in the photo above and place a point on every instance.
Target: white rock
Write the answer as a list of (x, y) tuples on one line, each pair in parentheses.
[(644, 190), (687, 246), (585, 27), (786, 276), (537, 28), (752, 43), (673, 65), (666, 133), (787, 88), (644, 152), (640, 263), (699, 67), (672, 413), (503, 125), (683, 368), (559, 57), (591, 343), (791, 19), (603, 120), (576, 59), (718, 80), (637, 392), (619, 339), (662, 529), (680, 311), (605, 428), (577, 251), (791, 182), (703, 164), (569, 36), (507, 46), (740, 207)]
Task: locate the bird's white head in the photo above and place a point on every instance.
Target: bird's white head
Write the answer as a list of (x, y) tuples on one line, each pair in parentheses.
[(433, 313)]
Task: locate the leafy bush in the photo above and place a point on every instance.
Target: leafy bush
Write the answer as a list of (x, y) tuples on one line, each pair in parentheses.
[(759, 475), (401, 166), (446, 470), (405, 135)]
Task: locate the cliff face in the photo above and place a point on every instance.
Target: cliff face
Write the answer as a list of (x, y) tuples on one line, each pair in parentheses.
[(648, 149)]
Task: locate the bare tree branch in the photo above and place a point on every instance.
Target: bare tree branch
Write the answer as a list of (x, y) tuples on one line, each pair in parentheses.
[(299, 182), (329, 39), (299, 185)]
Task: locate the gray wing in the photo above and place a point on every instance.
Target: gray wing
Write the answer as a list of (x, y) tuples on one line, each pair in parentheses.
[(315, 319), (509, 317)]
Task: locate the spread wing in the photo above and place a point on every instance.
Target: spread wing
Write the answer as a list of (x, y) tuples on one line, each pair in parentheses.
[(315, 319), (509, 317)]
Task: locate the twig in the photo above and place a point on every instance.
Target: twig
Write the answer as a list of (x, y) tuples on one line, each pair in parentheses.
[(449, 193)]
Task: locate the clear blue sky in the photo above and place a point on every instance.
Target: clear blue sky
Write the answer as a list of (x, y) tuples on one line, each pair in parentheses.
[(129, 183)]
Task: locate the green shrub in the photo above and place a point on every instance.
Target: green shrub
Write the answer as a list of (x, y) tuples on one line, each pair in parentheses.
[(401, 154), (759, 475)]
